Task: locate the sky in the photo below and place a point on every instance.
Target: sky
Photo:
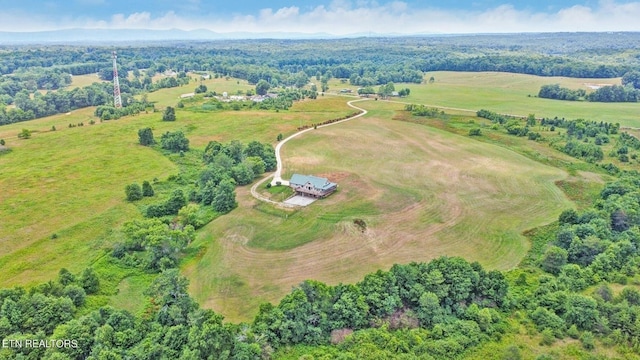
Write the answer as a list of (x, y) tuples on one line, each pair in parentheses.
[(336, 17)]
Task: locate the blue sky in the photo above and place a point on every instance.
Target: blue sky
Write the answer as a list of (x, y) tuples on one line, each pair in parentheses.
[(329, 16)]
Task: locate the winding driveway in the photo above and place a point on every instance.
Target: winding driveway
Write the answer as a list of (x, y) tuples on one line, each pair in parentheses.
[(277, 175)]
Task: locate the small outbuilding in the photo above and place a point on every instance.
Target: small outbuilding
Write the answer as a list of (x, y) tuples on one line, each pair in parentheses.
[(312, 186)]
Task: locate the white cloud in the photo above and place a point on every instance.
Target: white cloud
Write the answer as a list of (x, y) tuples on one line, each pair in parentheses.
[(343, 17)]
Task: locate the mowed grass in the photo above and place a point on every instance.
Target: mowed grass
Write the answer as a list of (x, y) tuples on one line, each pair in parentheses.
[(260, 125), (84, 80), (422, 192), (70, 182), (517, 94)]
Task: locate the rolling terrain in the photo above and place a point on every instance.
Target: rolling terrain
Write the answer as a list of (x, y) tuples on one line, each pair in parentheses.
[(70, 182), (422, 193), (514, 94)]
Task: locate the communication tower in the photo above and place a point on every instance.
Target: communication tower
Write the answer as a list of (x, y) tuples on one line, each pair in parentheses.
[(117, 100)]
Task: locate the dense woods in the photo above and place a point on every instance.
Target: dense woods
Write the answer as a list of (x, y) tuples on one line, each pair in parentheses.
[(447, 296)]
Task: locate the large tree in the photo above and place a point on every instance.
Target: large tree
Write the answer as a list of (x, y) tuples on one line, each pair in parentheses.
[(224, 198), (169, 114), (262, 87), (632, 78), (145, 137)]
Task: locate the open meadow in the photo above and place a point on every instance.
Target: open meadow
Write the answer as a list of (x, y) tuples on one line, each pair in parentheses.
[(422, 190), (70, 182), (422, 193), (84, 80), (515, 94)]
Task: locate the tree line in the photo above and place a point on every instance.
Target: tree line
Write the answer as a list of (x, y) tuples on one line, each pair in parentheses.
[(355, 60), (628, 92), (458, 302), (583, 138)]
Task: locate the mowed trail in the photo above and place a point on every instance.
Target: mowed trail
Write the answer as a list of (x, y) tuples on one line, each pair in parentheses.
[(430, 193)]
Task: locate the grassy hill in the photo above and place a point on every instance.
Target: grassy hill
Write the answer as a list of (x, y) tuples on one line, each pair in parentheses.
[(70, 182), (422, 192), (515, 94)]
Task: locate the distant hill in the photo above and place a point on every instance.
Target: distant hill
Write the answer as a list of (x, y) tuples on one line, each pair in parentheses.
[(116, 35)]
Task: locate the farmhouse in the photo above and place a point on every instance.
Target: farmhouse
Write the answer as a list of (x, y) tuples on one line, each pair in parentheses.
[(312, 186)]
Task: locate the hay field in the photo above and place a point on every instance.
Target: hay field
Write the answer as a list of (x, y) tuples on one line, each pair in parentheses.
[(516, 94), (70, 182), (84, 80), (423, 193)]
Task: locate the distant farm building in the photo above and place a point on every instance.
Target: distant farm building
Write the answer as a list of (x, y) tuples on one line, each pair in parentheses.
[(312, 186)]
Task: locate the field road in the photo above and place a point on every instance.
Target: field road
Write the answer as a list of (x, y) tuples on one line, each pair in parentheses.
[(277, 175)]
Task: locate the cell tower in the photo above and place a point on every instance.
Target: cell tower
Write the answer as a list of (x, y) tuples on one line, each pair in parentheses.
[(117, 100)]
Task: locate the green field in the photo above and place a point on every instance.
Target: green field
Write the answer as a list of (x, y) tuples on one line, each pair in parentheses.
[(70, 182), (515, 94), (422, 189), (84, 80), (423, 193)]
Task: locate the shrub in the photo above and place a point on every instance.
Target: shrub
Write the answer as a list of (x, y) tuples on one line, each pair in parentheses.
[(475, 132), (573, 332), (554, 259), (147, 189), (133, 192), (175, 202), (169, 114), (547, 337), (24, 134), (145, 137), (588, 341), (174, 141), (512, 353)]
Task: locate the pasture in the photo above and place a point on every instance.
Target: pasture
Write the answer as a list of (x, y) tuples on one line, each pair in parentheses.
[(422, 192), (514, 94), (70, 182), (84, 80)]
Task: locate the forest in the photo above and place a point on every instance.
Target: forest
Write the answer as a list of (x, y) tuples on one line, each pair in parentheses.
[(576, 284), (28, 70)]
